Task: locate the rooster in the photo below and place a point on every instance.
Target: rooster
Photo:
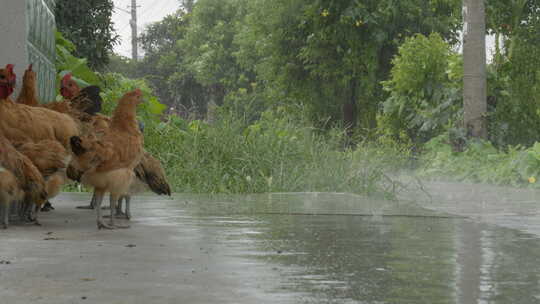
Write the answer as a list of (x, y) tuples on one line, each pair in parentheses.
[(108, 162), (8, 80), (85, 105), (23, 123), (85, 100), (28, 177)]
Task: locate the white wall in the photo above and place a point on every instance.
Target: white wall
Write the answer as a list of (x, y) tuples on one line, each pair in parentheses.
[(13, 36)]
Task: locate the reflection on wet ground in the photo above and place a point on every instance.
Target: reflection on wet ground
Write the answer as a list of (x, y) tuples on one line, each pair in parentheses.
[(272, 248), (338, 248)]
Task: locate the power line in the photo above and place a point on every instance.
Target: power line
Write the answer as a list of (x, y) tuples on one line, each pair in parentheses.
[(149, 14), (124, 27), (121, 9)]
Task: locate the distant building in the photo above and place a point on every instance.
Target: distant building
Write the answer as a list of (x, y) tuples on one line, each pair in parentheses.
[(28, 36)]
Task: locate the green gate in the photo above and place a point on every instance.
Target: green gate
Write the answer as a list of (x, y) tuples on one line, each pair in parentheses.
[(41, 45)]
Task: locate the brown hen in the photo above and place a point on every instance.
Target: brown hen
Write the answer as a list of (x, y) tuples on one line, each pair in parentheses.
[(51, 159), (29, 179), (108, 162)]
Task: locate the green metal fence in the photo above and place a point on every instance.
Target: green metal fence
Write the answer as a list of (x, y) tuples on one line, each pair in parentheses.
[(41, 45)]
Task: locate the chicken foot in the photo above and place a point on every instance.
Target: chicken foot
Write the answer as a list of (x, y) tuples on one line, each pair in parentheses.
[(119, 214), (26, 214), (47, 207), (92, 204), (127, 199), (114, 200)]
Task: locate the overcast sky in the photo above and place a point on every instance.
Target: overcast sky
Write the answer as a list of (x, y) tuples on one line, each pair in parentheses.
[(148, 12)]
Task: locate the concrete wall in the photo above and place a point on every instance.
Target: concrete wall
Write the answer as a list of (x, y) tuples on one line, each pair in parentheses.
[(13, 37)]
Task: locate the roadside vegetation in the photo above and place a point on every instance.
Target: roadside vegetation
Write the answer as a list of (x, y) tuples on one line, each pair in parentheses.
[(292, 95)]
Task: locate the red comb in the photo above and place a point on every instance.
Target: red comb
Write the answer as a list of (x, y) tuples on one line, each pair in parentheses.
[(66, 78), (12, 78), (30, 67)]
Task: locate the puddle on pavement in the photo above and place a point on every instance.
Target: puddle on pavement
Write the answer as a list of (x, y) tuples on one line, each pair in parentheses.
[(278, 248), (336, 249)]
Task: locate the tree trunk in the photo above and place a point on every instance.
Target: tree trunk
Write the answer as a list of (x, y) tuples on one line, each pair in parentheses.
[(474, 69)]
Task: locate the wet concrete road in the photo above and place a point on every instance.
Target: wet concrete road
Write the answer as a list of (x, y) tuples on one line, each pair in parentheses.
[(279, 248)]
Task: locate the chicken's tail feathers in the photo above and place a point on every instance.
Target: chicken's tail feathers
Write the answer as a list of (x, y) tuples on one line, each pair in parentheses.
[(158, 184), (155, 179)]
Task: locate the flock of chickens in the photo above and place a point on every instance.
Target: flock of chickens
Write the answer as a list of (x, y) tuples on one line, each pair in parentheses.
[(43, 146)]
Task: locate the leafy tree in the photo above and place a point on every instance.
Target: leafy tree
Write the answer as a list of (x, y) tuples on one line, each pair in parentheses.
[(333, 54), (329, 56), (511, 19), (163, 65), (211, 49), (89, 26), (123, 65), (514, 83)]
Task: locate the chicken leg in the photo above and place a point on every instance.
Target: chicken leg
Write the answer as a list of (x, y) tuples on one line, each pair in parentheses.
[(121, 214), (98, 200), (92, 204), (5, 215), (113, 206)]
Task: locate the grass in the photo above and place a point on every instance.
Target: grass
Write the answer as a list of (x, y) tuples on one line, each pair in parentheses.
[(278, 153), (481, 162)]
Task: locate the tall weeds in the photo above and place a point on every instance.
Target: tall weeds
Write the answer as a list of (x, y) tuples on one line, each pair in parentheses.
[(277, 153)]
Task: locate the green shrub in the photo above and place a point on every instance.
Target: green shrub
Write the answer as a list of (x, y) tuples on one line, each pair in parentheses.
[(481, 162), (425, 89), (116, 85)]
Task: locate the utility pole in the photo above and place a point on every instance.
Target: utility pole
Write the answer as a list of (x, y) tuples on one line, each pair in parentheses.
[(133, 23), (188, 5)]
